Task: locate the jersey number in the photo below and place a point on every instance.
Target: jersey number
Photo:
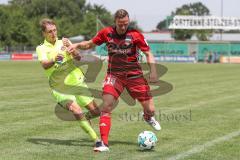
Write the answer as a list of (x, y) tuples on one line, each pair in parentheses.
[(110, 81)]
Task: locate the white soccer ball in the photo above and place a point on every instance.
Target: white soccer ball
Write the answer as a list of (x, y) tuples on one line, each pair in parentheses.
[(147, 140)]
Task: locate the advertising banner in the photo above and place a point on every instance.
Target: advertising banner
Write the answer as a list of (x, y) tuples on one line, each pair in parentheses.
[(185, 59), (4, 56), (21, 56), (224, 59), (205, 22)]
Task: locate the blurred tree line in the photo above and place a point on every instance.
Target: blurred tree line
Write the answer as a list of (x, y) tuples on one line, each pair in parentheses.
[(19, 20)]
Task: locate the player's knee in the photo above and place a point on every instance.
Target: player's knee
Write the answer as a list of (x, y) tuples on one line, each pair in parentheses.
[(73, 108), (70, 107), (77, 112), (96, 111), (107, 107)]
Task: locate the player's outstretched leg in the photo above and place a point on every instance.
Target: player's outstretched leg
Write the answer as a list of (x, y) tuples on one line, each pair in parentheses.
[(84, 124), (93, 111), (148, 114), (152, 121)]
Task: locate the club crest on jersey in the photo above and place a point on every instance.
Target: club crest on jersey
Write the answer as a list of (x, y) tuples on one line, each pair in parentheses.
[(128, 39)]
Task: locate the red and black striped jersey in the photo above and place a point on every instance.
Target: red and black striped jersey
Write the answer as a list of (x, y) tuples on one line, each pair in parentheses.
[(122, 50)]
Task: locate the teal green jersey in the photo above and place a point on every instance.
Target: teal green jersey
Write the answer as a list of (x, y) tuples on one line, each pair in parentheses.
[(75, 77), (48, 51)]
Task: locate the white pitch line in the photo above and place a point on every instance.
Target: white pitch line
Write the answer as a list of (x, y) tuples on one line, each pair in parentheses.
[(201, 148)]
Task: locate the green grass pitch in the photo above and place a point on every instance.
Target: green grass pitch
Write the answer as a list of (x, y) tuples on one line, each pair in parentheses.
[(197, 117)]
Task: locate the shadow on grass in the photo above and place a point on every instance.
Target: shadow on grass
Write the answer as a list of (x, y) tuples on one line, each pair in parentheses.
[(81, 142), (112, 143), (146, 150), (48, 141)]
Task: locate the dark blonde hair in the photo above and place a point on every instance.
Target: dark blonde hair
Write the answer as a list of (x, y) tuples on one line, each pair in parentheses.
[(44, 22), (121, 13)]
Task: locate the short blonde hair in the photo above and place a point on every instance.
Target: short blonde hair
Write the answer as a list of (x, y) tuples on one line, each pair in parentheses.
[(44, 22)]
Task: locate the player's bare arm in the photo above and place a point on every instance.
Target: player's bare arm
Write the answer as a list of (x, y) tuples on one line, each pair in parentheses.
[(49, 63), (84, 45), (75, 54), (151, 62)]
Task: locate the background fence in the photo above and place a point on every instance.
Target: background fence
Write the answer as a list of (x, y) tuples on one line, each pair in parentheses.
[(166, 51), (200, 51)]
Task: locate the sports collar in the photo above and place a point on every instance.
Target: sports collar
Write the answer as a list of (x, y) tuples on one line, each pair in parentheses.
[(48, 43)]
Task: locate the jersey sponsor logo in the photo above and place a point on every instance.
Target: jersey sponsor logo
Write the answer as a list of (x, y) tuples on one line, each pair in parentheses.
[(122, 47), (119, 44)]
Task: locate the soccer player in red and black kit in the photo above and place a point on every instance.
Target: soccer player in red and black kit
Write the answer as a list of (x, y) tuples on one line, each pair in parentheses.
[(123, 71)]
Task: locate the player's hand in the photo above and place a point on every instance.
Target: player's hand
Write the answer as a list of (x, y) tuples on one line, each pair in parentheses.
[(153, 78), (66, 42), (72, 48), (77, 56), (59, 58)]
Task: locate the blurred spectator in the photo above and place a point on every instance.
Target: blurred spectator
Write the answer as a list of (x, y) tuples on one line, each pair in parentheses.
[(206, 58), (210, 57)]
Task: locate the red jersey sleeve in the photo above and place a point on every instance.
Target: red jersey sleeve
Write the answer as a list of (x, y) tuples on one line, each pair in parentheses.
[(141, 42), (100, 37)]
